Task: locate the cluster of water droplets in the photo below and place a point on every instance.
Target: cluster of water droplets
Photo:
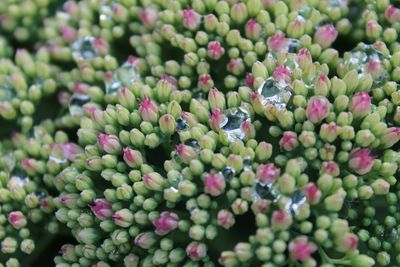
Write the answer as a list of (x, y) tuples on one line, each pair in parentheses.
[(232, 122), (276, 93), (124, 76), (18, 178), (84, 49)]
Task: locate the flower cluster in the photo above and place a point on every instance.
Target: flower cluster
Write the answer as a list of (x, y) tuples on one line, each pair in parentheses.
[(201, 133)]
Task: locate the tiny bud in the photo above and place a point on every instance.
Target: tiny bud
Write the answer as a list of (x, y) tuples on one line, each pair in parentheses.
[(101, 208), (360, 104), (166, 222), (133, 157), (196, 251), (153, 181), (326, 35), (318, 108), (145, 240), (361, 161), (215, 50), (123, 218), (289, 141), (300, 249), (17, 219), (148, 110), (167, 124), (281, 220), (267, 173), (191, 19), (109, 143), (214, 184), (225, 219)]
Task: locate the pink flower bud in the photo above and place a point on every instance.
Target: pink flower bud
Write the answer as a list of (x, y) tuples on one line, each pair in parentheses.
[(277, 43), (300, 249), (248, 129), (318, 108), (191, 19), (148, 17), (123, 218), (81, 88), (63, 98), (329, 132), (101, 46), (133, 157), (109, 143), (249, 80), (145, 240), (148, 110), (282, 74), (101, 208), (216, 118), (225, 219), (214, 184), (215, 50), (196, 251), (347, 242), (375, 68), (361, 161), (392, 14), (312, 193), (331, 168), (68, 34), (216, 99), (267, 173), (252, 29), (289, 141), (390, 137), (71, 150), (322, 83), (326, 35), (17, 219), (281, 220), (205, 82), (153, 181), (167, 222), (186, 153), (304, 58), (261, 206), (360, 104)]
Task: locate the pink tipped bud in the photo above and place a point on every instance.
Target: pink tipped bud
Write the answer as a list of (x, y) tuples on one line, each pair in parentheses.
[(214, 184), (282, 74), (226, 219), (300, 249), (123, 218), (390, 137), (71, 150), (347, 242), (101, 46), (331, 168), (267, 173), (318, 108), (101, 208), (216, 118), (149, 17), (392, 14), (148, 110), (196, 251), (205, 82), (361, 161), (17, 219), (63, 98), (191, 19), (312, 193), (329, 132), (167, 222), (109, 143), (133, 157), (186, 153), (261, 206), (145, 240), (69, 200), (68, 34), (216, 99), (375, 68), (289, 141), (326, 35), (248, 129), (215, 50), (252, 29), (360, 104), (281, 220), (153, 181), (277, 43), (322, 83), (304, 58), (249, 79)]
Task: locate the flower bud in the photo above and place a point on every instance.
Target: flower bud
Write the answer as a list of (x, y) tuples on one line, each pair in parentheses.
[(148, 110), (277, 43), (196, 251), (335, 202), (186, 153), (281, 220), (300, 249), (88, 236), (252, 29), (215, 50), (380, 187), (8, 245), (239, 13), (191, 19), (243, 251), (347, 242), (166, 222), (149, 17), (17, 219), (267, 173), (362, 261), (225, 219), (216, 99), (153, 181), (326, 35), (361, 161), (145, 240), (289, 141), (312, 193), (101, 208), (109, 143), (390, 137), (214, 184), (205, 82), (360, 104), (318, 108), (133, 157), (123, 218)]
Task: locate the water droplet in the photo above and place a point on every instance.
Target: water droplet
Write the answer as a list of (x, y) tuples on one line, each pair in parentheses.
[(198, 94), (57, 154), (275, 93), (105, 12), (76, 104), (193, 143), (18, 178), (175, 183), (293, 45), (181, 124), (124, 76), (295, 202), (337, 3), (228, 173), (83, 48), (234, 117), (247, 164), (6, 92), (265, 191), (40, 194), (305, 12)]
